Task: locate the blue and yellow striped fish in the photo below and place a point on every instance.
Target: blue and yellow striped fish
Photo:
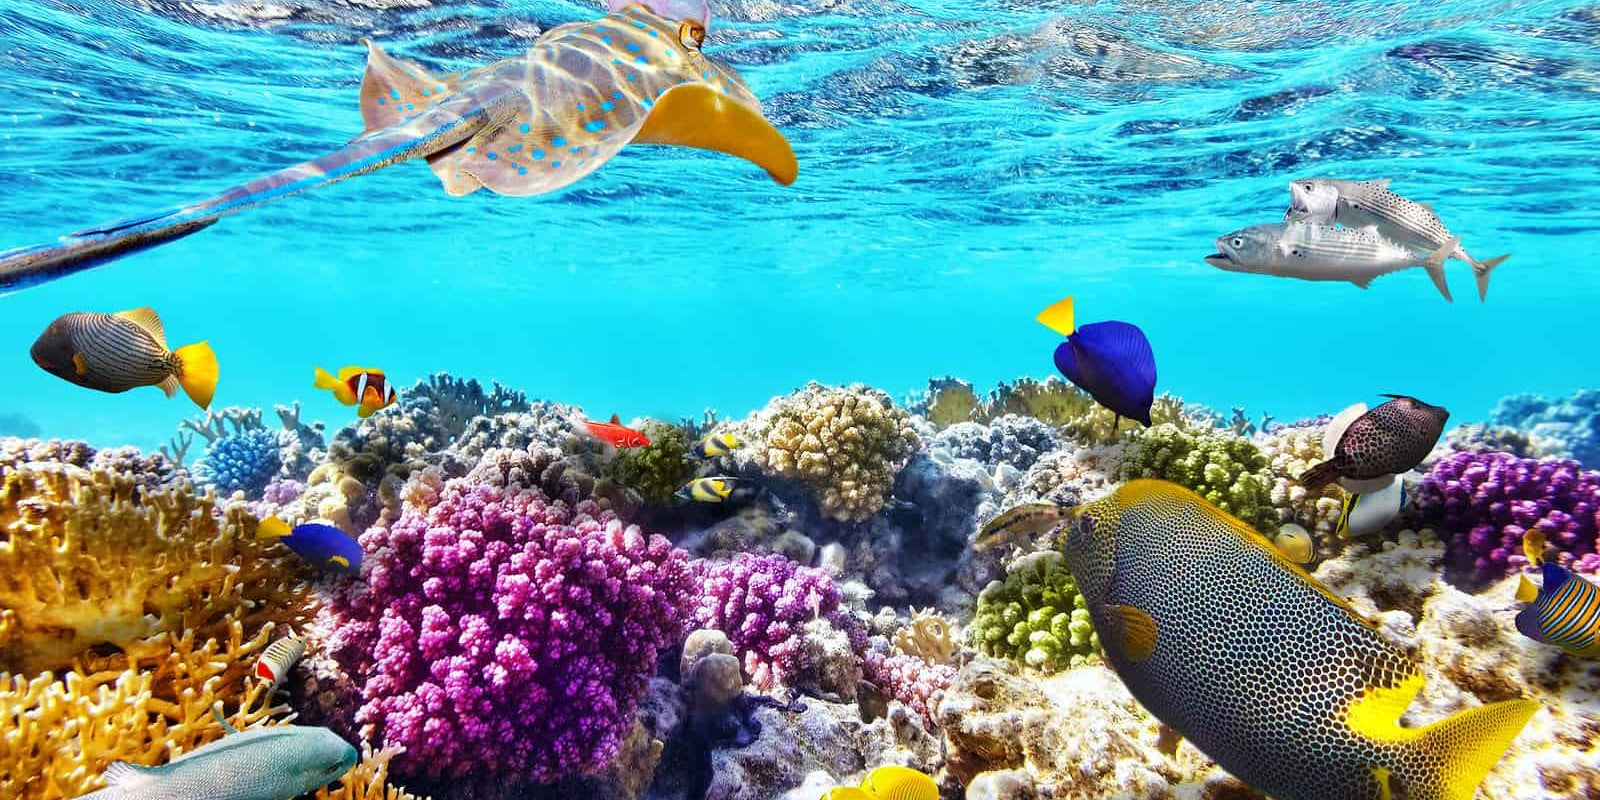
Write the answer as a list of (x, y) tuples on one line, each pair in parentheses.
[(1566, 609)]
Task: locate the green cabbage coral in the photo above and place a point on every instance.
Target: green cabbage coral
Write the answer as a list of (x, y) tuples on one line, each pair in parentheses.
[(1228, 471), (658, 470), (1036, 616)]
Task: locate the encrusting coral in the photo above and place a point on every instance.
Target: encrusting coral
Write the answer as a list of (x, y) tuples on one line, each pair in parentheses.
[(1036, 616), (1228, 471), (846, 444)]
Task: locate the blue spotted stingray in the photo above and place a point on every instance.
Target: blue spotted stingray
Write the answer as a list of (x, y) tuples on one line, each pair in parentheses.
[(523, 126)]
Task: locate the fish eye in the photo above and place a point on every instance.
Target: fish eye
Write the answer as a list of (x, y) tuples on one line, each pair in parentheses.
[(1238, 241), (1309, 187), (691, 34)]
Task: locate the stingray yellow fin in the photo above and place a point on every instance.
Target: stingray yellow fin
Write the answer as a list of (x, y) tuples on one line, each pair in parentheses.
[(696, 115)]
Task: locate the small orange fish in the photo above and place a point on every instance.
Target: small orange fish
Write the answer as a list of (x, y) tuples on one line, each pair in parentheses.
[(364, 387), (613, 433)]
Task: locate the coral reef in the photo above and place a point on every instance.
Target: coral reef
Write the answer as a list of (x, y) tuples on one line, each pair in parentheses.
[(1009, 439), (846, 444), (908, 679), (1289, 452), (1228, 471), (657, 470), (949, 401), (1058, 403), (504, 636), (927, 636), (1036, 617), (242, 454), (1571, 425), (1482, 504), (244, 462)]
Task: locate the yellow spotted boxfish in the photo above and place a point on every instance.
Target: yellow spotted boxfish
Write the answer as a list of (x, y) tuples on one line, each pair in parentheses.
[(526, 125), (1259, 665)]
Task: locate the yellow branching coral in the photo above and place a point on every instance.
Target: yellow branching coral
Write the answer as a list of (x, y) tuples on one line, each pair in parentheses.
[(951, 400), (368, 780), (847, 444), (89, 566), (929, 637)]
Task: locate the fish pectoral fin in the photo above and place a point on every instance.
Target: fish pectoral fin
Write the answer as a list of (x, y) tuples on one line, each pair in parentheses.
[(80, 364), (215, 712), (147, 319), (394, 89), (1362, 282), (696, 115), (123, 775), (1134, 631)]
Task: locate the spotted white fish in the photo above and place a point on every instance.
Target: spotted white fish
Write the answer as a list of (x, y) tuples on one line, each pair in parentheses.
[(1408, 223), (1316, 251)]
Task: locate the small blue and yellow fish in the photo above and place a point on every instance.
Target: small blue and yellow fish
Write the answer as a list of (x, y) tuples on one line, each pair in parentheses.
[(717, 489), (889, 783), (717, 445), (1112, 361), (367, 388), (319, 543), (1566, 609)]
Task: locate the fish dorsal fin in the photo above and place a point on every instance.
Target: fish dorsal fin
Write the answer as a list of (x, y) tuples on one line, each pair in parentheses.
[(147, 319), (1058, 317), (1429, 208), (123, 775), (1135, 631), (1338, 425), (615, 420), (1533, 546), (346, 373), (1527, 592), (1382, 183), (272, 528), (696, 115), (395, 89)]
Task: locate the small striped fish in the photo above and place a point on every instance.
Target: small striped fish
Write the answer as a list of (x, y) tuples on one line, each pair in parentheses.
[(1566, 609), (276, 661), (1315, 251), (717, 489), (716, 445), (1020, 522), (122, 351)]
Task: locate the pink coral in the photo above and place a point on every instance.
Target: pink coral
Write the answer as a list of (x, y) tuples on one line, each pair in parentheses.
[(911, 680)]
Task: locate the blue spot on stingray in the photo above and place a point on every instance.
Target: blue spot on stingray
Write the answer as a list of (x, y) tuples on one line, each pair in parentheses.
[(648, 102), (513, 148), (395, 93), (380, 101), (616, 61), (581, 162), (652, 33), (555, 164), (637, 24), (633, 48), (580, 106), (491, 156), (662, 90), (522, 170), (411, 106), (524, 127), (424, 91), (616, 95), (559, 141), (575, 149), (606, 39), (633, 77), (595, 126), (472, 149), (607, 105), (538, 155), (641, 59)]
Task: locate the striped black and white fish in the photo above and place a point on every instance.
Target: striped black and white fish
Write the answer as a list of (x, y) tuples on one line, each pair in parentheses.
[(122, 351), (278, 659), (1359, 204), (1316, 251), (1566, 609)]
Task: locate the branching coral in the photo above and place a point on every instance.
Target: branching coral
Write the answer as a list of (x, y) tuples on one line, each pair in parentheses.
[(1481, 504), (909, 679), (658, 470), (927, 636), (502, 636), (1010, 439), (846, 444), (1228, 471), (1058, 403), (1036, 616), (90, 562), (949, 401), (245, 462), (1291, 451)]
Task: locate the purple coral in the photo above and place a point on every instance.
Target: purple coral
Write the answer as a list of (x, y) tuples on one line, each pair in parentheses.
[(1482, 503), (504, 637), (911, 680), (762, 604)]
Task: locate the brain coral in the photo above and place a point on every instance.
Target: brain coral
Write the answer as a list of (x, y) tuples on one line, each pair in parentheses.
[(1226, 470), (846, 444), (1036, 616), (501, 636)]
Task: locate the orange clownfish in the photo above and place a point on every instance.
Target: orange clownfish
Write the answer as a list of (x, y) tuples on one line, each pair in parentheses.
[(364, 387), (613, 433)]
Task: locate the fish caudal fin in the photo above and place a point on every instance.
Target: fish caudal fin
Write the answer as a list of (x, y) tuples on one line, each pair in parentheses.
[(1320, 475), (1434, 264), (197, 372), (1058, 317), (324, 379), (1465, 747), (1481, 270)]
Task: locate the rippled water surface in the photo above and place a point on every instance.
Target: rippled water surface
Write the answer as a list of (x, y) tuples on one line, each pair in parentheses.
[(962, 165)]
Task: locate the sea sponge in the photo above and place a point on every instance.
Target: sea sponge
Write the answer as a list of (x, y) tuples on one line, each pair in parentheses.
[(1290, 451), (846, 444), (657, 470), (1036, 616), (1228, 471), (93, 561)]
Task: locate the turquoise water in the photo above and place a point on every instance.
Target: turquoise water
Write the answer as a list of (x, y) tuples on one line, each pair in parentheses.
[(962, 166)]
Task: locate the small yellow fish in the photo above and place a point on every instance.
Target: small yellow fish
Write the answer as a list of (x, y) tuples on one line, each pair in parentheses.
[(717, 444), (889, 783), (713, 490), (367, 388), (1020, 522)]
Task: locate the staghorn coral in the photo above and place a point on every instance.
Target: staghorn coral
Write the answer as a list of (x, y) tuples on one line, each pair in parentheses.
[(1290, 451), (369, 780), (658, 470), (91, 561), (1036, 617), (503, 637), (1482, 503), (846, 444), (1228, 471)]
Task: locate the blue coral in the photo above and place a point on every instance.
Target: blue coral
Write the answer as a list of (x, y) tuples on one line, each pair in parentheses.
[(245, 462), (1572, 423)]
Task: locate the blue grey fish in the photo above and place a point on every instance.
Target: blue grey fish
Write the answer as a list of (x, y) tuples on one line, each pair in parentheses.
[(1318, 251), (1358, 204), (269, 763)]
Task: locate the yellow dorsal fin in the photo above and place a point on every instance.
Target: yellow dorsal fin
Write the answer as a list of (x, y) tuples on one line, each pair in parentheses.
[(1533, 546), (846, 793), (1058, 317), (147, 318), (696, 115), (1526, 591), (272, 528), (1136, 633), (346, 373)]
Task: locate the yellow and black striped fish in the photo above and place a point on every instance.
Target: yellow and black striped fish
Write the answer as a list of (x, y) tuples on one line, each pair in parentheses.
[(1565, 611), (122, 351), (716, 445), (716, 489), (1020, 522)]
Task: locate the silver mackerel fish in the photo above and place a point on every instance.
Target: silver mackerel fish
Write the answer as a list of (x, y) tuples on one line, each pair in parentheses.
[(1316, 251), (1359, 204)]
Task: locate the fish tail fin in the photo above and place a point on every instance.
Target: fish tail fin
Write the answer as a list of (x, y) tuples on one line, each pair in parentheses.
[(1481, 270), (1058, 317), (324, 379), (197, 372), (1460, 750), (1434, 264), (272, 528), (1320, 475)]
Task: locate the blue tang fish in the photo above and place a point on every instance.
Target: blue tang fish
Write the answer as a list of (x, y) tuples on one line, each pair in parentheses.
[(319, 543), (1566, 609), (1112, 361)]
